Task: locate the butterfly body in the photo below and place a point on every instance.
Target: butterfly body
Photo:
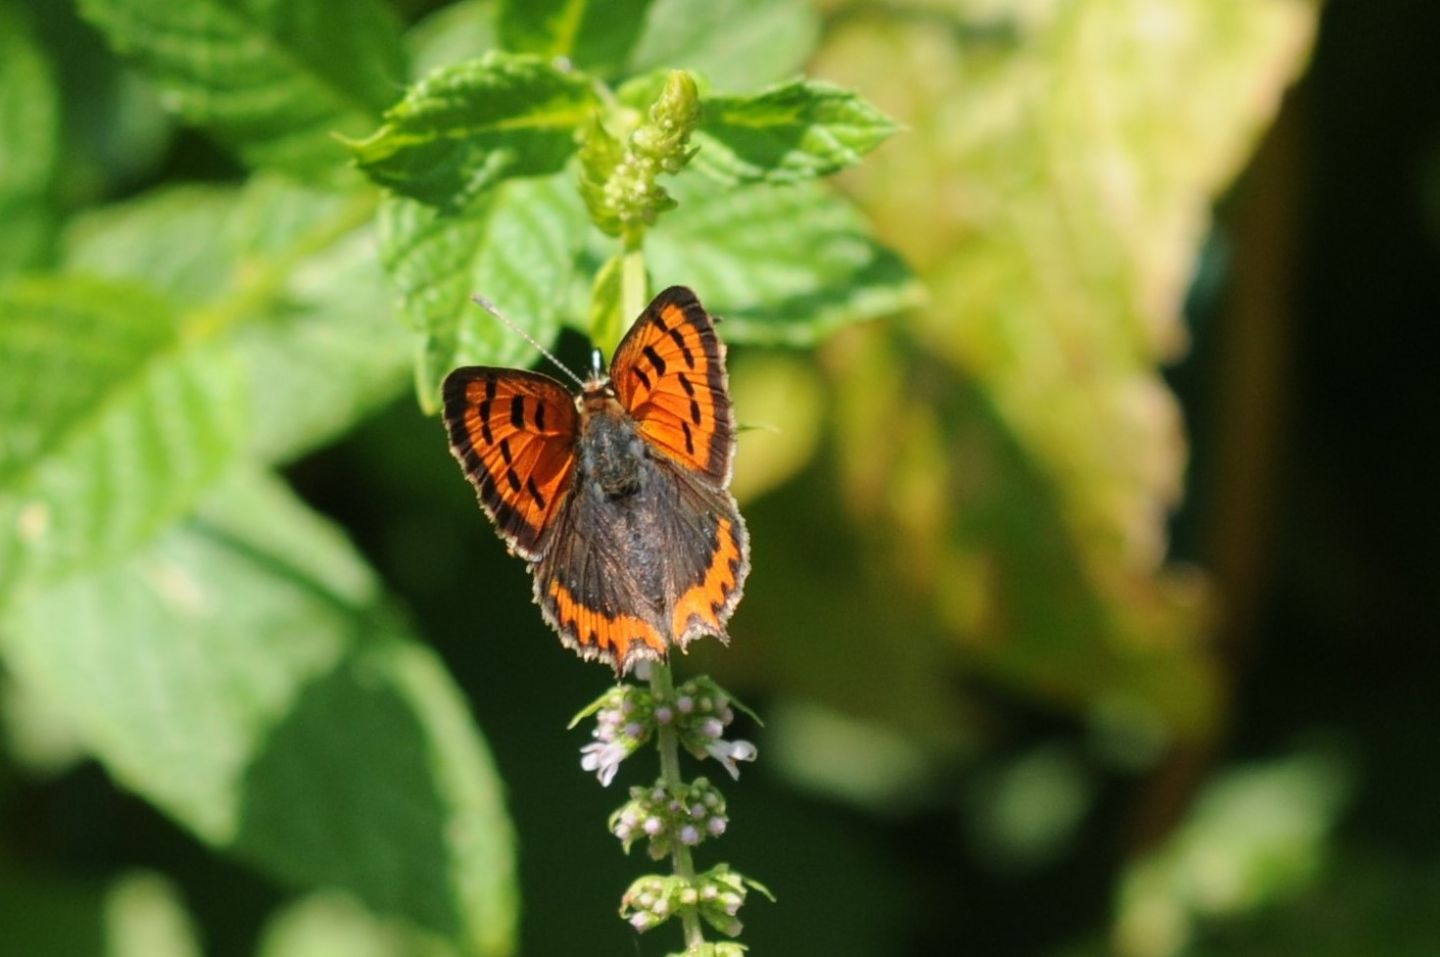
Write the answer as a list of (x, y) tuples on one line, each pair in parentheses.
[(610, 451), (616, 497)]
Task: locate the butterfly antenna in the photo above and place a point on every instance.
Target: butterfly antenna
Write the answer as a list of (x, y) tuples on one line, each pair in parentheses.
[(491, 308)]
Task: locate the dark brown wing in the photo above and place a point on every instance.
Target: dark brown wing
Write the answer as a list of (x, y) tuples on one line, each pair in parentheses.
[(706, 572), (588, 589), (623, 580), (513, 433)]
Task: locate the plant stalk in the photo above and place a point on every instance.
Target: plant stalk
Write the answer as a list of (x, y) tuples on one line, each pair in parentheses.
[(632, 277), (663, 688)]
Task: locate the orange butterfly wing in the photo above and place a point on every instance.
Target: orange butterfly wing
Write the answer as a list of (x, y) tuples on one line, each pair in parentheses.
[(513, 433), (669, 374)]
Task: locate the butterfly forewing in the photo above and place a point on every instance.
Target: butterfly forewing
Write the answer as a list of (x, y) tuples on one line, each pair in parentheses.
[(669, 374), (514, 434)]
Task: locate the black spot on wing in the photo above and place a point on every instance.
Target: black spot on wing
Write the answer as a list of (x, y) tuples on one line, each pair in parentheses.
[(655, 360), (683, 346), (517, 411)]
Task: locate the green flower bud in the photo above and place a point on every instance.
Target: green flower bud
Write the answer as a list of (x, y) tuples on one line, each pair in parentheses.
[(618, 182)]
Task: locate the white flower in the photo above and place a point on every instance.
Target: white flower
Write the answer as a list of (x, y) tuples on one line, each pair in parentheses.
[(728, 752), (604, 757)]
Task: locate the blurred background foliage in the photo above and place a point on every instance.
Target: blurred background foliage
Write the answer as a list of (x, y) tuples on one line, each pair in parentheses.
[(1093, 605)]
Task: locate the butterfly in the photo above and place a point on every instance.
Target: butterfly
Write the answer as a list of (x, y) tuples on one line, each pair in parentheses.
[(617, 497)]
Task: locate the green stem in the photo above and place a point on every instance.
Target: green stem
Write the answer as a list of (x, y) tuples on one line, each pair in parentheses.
[(632, 277), (663, 688)]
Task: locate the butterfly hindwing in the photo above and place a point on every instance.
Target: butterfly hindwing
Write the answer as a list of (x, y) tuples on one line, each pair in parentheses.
[(588, 590), (622, 580), (514, 434), (711, 558), (669, 374)]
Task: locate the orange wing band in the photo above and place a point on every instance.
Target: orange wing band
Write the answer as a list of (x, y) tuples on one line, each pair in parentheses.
[(702, 609), (609, 637)]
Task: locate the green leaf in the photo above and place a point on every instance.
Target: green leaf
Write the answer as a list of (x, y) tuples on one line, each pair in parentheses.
[(111, 423), (296, 272), (798, 130), (147, 918), (780, 264), (118, 132), (1254, 837), (466, 127), (30, 132), (330, 924), (271, 80), (27, 236), (452, 34), (734, 44), (606, 320), (243, 674), (176, 240), (1053, 193), (29, 110), (595, 35), (517, 247)]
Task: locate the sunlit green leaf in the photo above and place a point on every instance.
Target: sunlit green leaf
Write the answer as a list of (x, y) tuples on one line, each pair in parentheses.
[(517, 247), (173, 240), (111, 424), (1060, 165), (452, 34), (466, 127), (735, 44), (145, 917), (1256, 835), (271, 80), (606, 321), (244, 674), (296, 272), (328, 924), (779, 264), (799, 130), (595, 35)]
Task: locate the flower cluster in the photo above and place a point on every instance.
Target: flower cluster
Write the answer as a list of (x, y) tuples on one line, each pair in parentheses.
[(703, 710), (624, 722), (689, 816), (672, 816), (627, 716), (716, 896)]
